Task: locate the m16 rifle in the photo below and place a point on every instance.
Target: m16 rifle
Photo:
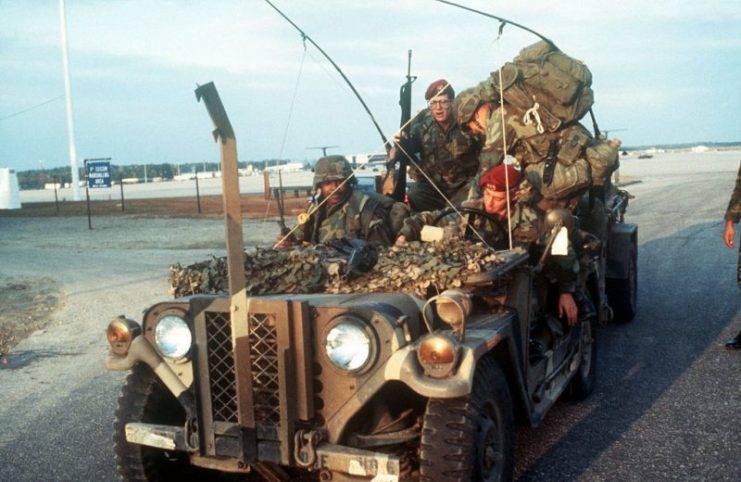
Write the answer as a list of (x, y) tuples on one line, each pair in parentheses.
[(405, 102), (281, 209)]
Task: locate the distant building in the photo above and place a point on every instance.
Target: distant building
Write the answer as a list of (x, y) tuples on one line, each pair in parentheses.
[(700, 148), (9, 192), (290, 167), (368, 158)]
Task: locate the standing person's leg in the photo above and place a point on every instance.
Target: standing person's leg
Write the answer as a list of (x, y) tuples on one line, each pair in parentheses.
[(735, 343), (424, 197)]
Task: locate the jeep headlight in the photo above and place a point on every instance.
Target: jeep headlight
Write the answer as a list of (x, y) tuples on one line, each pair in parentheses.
[(173, 337), (349, 345)]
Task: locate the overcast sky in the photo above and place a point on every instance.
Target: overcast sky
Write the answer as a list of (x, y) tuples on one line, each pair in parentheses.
[(664, 71)]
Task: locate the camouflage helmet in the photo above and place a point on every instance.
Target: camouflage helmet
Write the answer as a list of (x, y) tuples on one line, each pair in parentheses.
[(465, 105), (331, 168)]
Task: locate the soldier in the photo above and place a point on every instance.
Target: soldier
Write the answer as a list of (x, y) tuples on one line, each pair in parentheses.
[(348, 213), (484, 121), (528, 227), (447, 155), (733, 214), (499, 183)]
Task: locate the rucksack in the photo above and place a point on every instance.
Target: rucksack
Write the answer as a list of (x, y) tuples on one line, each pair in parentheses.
[(545, 85)]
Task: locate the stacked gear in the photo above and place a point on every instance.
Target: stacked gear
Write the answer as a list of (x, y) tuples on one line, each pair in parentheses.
[(545, 93), (343, 267), (555, 86)]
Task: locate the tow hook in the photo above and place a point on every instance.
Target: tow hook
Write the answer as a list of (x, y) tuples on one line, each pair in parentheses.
[(304, 447), (191, 434)]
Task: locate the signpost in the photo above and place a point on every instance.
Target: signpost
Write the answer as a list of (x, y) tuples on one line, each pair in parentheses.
[(97, 175), (98, 172)]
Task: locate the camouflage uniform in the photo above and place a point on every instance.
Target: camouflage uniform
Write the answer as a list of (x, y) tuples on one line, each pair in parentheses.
[(448, 157), (733, 213), (362, 215), (528, 231), (492, 152)]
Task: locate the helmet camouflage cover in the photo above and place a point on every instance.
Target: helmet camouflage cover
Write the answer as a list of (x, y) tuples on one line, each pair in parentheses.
[(465, 105), (331, 168)]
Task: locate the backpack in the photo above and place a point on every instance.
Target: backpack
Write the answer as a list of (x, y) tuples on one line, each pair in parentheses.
[(546, 85), (558, 180)]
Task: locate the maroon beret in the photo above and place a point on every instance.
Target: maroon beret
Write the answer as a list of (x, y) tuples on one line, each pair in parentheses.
[(437, 87), (495, 178)]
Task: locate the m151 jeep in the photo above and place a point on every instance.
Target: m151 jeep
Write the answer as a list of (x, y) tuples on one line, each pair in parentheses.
[(374, 386)]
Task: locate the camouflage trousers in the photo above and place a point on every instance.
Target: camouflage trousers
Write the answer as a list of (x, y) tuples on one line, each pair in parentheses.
[(424, 197), (738, 276)]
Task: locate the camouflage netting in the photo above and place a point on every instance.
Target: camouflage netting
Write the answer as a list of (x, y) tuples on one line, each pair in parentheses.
[(412, 268)]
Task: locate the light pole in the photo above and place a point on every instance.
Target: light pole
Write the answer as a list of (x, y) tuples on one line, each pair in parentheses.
[(68, 101)]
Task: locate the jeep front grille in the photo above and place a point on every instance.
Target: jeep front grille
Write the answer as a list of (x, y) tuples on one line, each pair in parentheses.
[(252, 395), (221, 367), (264, 360)]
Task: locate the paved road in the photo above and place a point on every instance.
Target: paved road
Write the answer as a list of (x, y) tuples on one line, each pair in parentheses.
[(666, 405), (668, 401)]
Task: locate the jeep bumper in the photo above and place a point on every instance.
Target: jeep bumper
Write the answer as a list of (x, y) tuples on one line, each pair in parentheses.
[(376, 466)]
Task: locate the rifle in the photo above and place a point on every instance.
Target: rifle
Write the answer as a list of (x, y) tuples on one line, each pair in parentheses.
[(281, 211), (405, 102)]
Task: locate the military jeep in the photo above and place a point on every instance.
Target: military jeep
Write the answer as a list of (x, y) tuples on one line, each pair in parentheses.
[(350, 387)]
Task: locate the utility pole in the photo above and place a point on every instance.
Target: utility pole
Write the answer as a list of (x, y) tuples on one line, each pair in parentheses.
[(68, 101)]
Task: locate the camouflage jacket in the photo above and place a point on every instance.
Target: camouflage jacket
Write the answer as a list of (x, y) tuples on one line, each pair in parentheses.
[(448, 157), (733, 213), (361, 215), (528, 231), (494, 148)]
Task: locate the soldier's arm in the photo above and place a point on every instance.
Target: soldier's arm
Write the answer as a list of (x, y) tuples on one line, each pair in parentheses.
[(563, 270), (733, 212), (379, 231), (413, 225)]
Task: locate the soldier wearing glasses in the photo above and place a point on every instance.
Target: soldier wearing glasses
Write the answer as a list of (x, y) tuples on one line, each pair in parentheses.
[(446, 154)]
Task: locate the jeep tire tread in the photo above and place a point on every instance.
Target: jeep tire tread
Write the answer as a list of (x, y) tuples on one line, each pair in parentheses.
[(145, 399), (470, 438)]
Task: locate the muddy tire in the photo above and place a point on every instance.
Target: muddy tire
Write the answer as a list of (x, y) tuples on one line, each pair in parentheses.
[(582, 385), (145, 399), (470, 438), (622, 293)]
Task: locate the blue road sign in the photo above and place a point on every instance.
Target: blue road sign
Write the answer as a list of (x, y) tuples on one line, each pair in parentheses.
[(98, 174)]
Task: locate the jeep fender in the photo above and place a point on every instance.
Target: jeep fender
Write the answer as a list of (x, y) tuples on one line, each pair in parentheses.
[(479, 342), (141, 351)]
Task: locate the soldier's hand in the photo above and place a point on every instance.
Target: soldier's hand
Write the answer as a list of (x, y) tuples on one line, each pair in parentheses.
[(567, 308), (283, 241), (399, 135), (400, 240), (729, 235)]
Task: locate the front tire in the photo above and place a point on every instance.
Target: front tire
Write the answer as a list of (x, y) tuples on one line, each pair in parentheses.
[(471, 438), (145, 399)]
